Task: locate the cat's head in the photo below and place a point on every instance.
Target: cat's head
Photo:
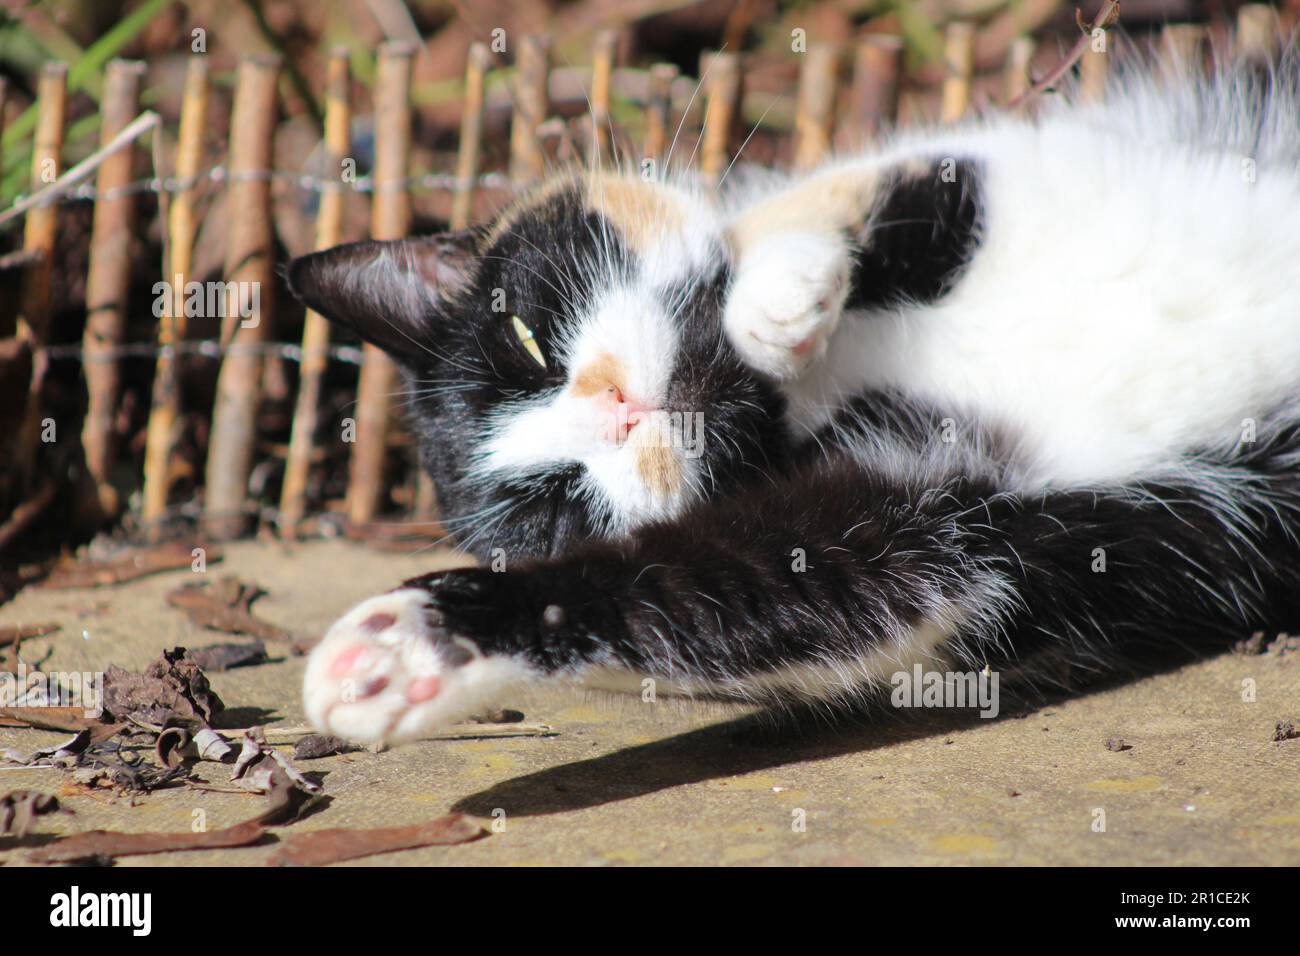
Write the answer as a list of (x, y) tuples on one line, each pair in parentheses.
[(566, 371)]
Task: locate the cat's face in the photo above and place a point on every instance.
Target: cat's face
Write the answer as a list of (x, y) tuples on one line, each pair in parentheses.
[(566, 369)]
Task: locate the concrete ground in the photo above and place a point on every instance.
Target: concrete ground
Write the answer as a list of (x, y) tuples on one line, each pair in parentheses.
[(626, 782)]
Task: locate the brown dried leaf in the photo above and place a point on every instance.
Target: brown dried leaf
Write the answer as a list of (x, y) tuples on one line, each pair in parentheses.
[(322, 847), (261, 768), (20, 808), (172, 689), (222, 657), (126, 567), (71, 719), (106, 845), (23, 632), (315, 746), (226, 606)]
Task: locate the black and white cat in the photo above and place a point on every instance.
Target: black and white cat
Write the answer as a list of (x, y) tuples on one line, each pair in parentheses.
[(992, 395)]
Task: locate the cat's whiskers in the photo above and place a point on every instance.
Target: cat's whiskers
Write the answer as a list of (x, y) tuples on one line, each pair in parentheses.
[(699, 85)]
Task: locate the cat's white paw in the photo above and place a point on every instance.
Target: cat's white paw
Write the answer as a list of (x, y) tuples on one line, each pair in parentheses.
[(786, 301), (388, 671)]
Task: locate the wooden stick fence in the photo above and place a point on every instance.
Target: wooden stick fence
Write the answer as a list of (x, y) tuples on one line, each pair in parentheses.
[(390, 219), (38, 241), (107, 284), (824, 114), (247, 319), (180, 230), (316, 332)]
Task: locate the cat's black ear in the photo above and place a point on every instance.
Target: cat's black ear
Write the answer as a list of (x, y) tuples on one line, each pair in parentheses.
[(389, 293)]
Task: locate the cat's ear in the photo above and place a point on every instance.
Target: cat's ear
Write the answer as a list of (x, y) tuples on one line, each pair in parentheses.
[(389, 293)]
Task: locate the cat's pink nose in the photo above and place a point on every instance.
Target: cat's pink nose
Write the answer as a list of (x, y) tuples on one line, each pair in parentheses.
[(626, 412), (634, 412)]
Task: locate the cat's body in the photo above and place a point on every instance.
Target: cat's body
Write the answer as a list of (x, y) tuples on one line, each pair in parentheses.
[(995, 395)]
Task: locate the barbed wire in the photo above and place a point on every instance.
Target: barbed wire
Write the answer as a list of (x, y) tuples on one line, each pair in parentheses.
[(208, 348)]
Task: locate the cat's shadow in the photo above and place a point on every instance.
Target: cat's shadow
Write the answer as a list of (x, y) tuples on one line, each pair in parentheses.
[(732, 748)]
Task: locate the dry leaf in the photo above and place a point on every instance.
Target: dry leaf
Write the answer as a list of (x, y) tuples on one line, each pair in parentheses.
[(125, 567), (19, 810), (172, 690), (264, 770), (315, 746), (226, 606), (71, 719), (321, 847), (105, 844), (20, 633), (222, 657)]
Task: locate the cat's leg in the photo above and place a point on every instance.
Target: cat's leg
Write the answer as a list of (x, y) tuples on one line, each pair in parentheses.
[(824, 585), (856, 236), (816, 588)]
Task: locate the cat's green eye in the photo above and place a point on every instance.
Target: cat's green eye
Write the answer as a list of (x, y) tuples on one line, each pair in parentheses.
[(528, 340)]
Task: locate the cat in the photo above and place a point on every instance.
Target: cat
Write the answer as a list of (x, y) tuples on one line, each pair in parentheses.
[(1016, 395)]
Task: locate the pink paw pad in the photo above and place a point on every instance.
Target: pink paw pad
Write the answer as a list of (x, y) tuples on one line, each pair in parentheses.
[(347, 661), (425, 688)]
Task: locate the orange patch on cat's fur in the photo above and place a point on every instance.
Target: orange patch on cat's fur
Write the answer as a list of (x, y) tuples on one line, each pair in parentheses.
[(641, 212), (598, 376), (655, 462), (835, 199)]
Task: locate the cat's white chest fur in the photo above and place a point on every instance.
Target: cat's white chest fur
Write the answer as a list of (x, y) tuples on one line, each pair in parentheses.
[(1128, 302)]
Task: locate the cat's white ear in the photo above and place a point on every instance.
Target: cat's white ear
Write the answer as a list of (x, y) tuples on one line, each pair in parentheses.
[(389, 293)]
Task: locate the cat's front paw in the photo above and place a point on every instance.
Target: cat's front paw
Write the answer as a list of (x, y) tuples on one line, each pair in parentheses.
[(786, 301), (395, 668)]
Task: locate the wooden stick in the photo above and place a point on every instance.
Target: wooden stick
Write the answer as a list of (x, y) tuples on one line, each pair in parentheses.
[(602, 71), (277, 736), (959, 61), (315, 330), (1182, 51), (720, 73), (181, 229), (818, 77), (471, 136), (873, 95), (249, 262), (1015, 79), (1258, 33), (107, 283), (46, 196), (1106, 18), (38, 238), (527, 161), (658, 111), (390, 218), (26, 513), (1094, 68)]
